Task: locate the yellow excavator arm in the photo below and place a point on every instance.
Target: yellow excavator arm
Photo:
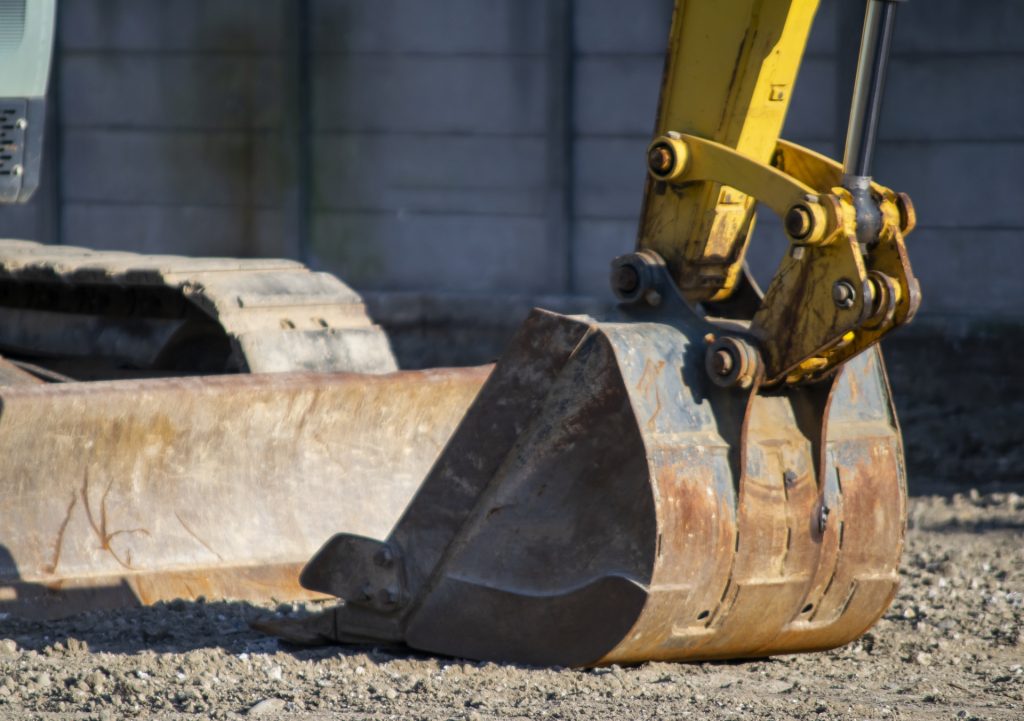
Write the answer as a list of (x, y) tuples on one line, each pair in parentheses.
[(845, 280), (729, 76)]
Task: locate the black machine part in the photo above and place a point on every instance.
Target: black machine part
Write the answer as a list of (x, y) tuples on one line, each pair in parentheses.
[(26, 52), (21, 147), (865, 112)]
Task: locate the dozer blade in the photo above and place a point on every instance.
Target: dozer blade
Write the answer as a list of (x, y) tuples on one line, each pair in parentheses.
[(128, 492), (604, 502)]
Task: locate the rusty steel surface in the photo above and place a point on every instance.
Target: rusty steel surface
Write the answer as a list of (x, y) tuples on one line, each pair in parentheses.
[(604, 502), (130, 492)]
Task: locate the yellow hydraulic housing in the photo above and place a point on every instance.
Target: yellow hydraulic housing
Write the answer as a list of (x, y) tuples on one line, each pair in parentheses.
[(731, 68)]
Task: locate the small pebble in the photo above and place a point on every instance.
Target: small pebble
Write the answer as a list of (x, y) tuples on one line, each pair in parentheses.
[(266, 706)]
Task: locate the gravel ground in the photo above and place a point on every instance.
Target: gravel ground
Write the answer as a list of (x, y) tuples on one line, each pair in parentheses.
[(951, 647)]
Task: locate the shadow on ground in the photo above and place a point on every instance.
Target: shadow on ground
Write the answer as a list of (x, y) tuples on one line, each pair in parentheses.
[(173, 627)]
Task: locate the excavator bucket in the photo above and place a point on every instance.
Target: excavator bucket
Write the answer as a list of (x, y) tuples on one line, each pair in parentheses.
[(603, 501)]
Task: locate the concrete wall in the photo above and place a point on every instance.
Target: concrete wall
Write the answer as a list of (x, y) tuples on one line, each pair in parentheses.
[(953, 137), (172, 120), (486, 146), (432, 133)]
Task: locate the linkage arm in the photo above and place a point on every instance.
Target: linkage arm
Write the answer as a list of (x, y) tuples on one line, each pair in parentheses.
[(845, 280)]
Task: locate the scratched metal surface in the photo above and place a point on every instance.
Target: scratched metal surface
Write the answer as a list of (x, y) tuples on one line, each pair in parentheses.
[(129, 492)]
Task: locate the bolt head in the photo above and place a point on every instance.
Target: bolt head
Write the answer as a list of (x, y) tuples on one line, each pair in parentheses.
[(799, 222), (660, 160), (626, 279), (731, 363), (844, 294), (722, 362)]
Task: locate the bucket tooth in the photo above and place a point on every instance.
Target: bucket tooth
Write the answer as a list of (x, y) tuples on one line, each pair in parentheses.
[(372, 575), (604, 502)]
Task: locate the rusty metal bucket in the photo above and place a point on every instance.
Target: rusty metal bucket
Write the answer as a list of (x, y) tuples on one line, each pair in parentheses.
[(604, 502), (128, 492)]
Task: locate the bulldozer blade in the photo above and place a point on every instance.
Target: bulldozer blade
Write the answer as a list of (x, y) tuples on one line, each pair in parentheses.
[(136, 491), (603, 501)]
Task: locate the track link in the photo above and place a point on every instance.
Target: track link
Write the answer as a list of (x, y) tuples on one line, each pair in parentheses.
[(102, 314)]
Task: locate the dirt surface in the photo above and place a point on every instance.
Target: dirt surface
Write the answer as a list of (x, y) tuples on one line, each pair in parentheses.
[(951, 647)]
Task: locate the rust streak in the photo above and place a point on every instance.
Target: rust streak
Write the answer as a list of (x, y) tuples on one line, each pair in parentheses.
[(196, 536), (727, 107), (100, 528), (650, 375), (657, 411), (648, 381), (58, 547)]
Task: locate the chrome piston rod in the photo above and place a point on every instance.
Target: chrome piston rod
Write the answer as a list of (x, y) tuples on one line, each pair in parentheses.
[(865, 111)]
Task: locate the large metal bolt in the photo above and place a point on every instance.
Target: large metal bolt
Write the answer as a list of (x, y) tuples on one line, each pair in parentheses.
[(626, 279), (722, 362), (633, 277), (799, 222), (660, 160), (844, 294), (731, 362)]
